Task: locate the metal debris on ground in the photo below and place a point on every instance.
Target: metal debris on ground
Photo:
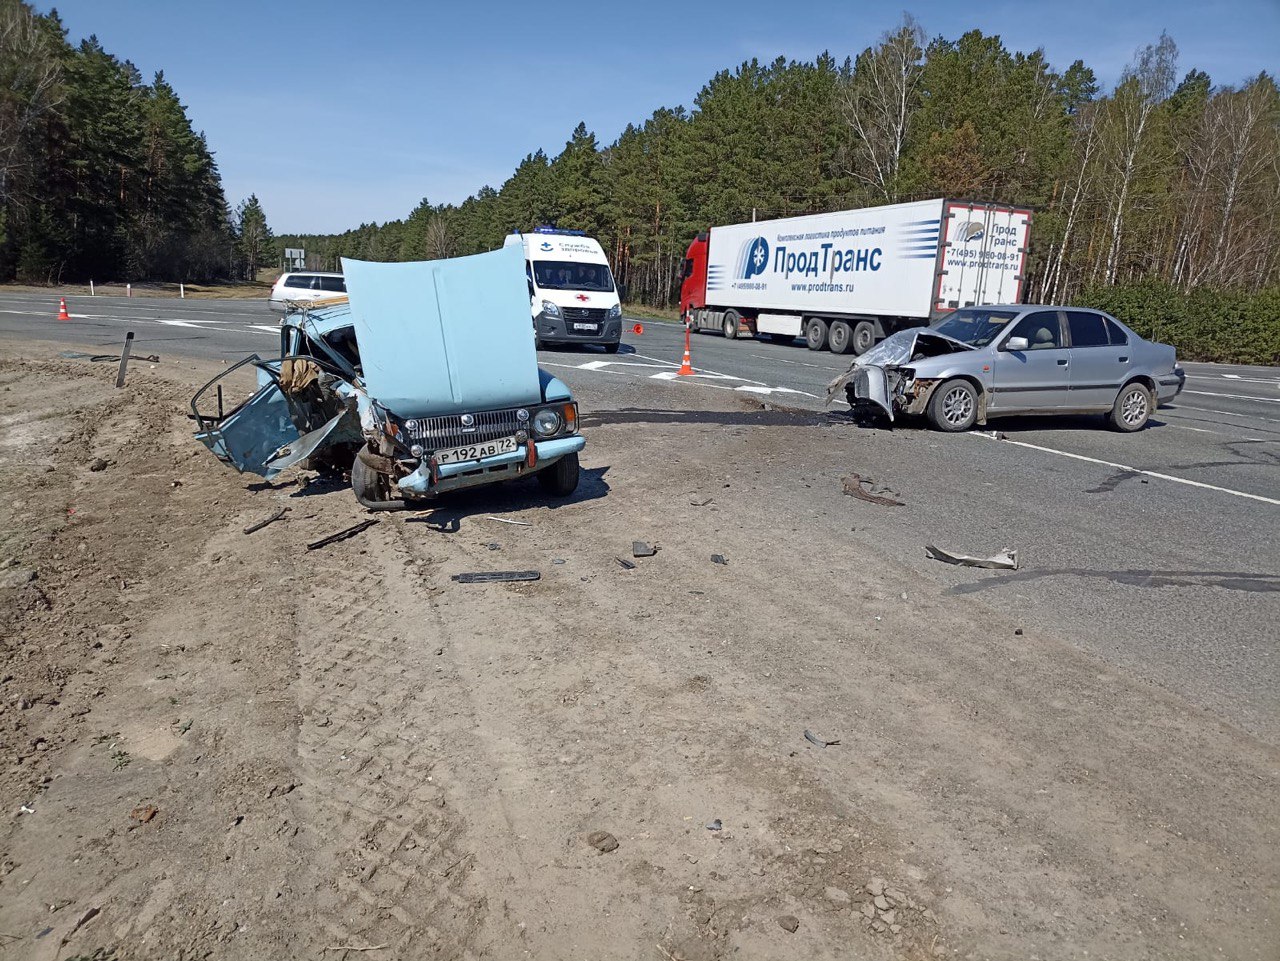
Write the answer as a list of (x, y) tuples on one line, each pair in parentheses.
[(625, 563), (495, 547), (814, 739), (503, 520), (342, 535), (701, 501), (270, 520), (641, 549), (1006, 560), (719, 559), (864, 488), (789, 923), (490, 577), (715, 824)]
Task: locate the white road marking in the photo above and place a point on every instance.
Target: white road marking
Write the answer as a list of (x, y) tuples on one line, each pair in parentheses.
[(181, 323), (1225, 413), (269, 330), (1239, 377), (1205, 430), (1209, 393), (1136, 470)]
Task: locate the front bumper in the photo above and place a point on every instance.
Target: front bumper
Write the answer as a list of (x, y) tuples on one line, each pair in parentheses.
[(488, 470), (556, 330)]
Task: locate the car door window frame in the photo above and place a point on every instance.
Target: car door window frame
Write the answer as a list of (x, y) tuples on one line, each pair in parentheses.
[(1016, 324), (1071, 340)]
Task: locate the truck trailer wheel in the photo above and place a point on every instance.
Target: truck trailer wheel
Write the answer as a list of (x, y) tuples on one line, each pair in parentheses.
[(840, 337), (864, 335), (561, 478), (815, 333), (730, 325)]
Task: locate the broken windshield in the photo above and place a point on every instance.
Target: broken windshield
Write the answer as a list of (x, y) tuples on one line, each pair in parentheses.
[(571, 275), (975, 326)]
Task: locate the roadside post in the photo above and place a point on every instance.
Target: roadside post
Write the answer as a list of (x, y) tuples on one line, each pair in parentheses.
[(124, 358)]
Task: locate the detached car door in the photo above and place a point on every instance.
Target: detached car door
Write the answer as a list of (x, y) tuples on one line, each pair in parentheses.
[(1036, 378)]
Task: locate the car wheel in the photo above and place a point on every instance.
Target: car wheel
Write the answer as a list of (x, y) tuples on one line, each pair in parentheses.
[(864, 335), (611, 348), (1132, 408), (373, 488), (953, 406), (840, 337), (730, 325), (815, 333), (561, 478)]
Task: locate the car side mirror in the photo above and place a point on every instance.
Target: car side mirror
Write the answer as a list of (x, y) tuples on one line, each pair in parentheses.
[(1016, 343)]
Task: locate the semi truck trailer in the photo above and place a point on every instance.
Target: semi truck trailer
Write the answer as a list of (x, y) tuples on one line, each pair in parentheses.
[(845, 280)]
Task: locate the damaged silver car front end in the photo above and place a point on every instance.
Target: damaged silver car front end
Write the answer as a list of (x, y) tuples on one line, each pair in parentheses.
[(883, 381)]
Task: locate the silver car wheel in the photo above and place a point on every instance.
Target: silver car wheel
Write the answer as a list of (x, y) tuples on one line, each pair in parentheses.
[(957, 406), (1133, 410)]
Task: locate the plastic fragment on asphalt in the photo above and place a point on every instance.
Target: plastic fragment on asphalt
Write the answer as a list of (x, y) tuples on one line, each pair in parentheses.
[(641, 549), (719, 559), (490, 577), (1006, 560), (627, 565), (864, 488)]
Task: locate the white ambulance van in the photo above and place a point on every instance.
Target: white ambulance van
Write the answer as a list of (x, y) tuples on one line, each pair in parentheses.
[(572, 294)]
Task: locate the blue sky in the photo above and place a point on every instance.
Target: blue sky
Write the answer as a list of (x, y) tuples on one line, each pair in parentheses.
[(336, 114)]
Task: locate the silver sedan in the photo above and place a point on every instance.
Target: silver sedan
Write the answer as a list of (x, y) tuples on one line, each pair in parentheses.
[(981, 362)]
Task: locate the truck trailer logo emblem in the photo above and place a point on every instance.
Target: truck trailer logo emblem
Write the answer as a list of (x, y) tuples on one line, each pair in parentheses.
[(753, 258), (968, 231)]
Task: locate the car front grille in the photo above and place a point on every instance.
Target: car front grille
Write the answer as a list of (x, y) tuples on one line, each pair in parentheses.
[(585, 314), (438, 433)]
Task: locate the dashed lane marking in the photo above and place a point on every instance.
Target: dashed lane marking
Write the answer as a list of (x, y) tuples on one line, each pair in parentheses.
[(1136, 470)]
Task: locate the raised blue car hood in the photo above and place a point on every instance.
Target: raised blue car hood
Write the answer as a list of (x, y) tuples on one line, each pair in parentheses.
[(445, 336)]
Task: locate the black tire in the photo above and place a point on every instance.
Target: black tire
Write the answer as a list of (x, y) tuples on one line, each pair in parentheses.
[(730, 324), (953, 407), (815, 333), (611, 348), (1132, 408), (840, 337), (373, 489), (864, 337), (561, 478)]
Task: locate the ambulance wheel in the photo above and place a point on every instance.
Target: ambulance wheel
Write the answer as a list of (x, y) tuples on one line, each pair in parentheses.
[(840, 337), (816, 333)]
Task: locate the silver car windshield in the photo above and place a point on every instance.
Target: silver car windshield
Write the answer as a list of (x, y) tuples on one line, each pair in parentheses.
[(975, 326)]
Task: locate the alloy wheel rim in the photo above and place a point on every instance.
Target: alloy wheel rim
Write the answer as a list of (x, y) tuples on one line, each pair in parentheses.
[(957, 405), (1135, 407)]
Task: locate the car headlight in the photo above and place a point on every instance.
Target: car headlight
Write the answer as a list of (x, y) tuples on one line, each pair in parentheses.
[(546, 422), (615, 311), (550, 309)]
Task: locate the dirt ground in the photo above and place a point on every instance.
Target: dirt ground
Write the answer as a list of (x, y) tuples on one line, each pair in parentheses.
[(220, 745)]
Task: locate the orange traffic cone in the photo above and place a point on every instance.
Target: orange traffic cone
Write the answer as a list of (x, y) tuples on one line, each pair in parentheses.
[(62, 309), (686, 366)]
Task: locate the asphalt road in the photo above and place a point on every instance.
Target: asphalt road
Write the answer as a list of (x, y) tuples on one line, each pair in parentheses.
[(1157, 551)]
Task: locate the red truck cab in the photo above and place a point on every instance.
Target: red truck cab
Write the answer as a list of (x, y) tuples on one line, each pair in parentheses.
[(693, 285)]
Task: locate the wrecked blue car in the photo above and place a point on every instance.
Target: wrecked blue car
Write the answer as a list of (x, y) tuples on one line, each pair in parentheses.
[(422, 380)]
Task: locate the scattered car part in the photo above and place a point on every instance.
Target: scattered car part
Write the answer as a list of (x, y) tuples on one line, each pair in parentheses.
[(1006, 560), (719, 559), (493, 577), (626, 564), (641, 549), (715, 824), (814, 739), (342, 535), (864, 488), (270, 520)]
